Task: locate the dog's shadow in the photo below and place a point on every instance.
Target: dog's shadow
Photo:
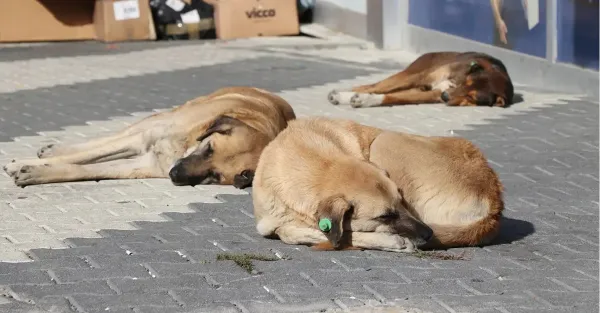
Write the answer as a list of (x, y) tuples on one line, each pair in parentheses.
[(512, 230), (517, 98)]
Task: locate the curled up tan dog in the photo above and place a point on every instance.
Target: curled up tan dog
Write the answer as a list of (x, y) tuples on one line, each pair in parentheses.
[(375, 189), (213, 139)]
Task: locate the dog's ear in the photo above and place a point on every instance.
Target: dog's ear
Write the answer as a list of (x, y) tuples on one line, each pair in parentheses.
[(474, 67), (221, 125), (330, 217), (243, 179)]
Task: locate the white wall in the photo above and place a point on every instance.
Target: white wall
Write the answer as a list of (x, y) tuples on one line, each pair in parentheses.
[(346, 16), (358, 6)]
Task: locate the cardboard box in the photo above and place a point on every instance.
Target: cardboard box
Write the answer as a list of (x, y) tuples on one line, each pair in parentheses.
[(123, 20), (251, 18), (190, 30), (46, 20)]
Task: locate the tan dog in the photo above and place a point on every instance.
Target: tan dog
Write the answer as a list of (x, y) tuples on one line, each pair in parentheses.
[(320, 169), (457, 79), (214, 139)]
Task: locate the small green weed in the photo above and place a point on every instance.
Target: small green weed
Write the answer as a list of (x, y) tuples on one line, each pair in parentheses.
[(244, 260), (439, 255)]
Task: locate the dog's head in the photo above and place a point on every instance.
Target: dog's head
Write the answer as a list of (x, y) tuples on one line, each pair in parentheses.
[(226, 153), (375, 206), (480, 81)]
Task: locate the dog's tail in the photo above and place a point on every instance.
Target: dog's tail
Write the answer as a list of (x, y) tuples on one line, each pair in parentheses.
[(478, 233)]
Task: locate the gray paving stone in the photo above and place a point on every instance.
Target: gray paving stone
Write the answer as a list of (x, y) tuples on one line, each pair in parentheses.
[(545, 259), (70, 49), (41, 291), (60, 106)]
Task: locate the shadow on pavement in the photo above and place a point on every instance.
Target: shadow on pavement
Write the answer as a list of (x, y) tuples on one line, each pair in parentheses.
[(512, 230)]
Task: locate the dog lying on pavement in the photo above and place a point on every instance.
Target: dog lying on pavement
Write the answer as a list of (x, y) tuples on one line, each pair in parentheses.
[(213, 139), (337, 184), (457, 79)]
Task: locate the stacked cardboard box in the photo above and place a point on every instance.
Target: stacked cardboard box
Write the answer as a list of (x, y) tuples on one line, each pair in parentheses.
[(61, 20), (250, 18), (126, 20), (183, 19)]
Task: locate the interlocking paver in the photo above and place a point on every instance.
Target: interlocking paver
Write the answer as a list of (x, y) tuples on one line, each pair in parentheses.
[(137, 246)]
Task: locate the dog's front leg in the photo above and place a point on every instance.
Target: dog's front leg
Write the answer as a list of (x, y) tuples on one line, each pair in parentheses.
[(141, 167), (381, 241), (298, 235)]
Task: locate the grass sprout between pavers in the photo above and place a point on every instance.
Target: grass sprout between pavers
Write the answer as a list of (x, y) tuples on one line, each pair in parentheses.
[(440, 255), (244, 260)]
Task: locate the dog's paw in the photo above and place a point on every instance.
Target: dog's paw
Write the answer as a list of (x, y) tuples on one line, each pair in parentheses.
[(45, 151), (29, 175), (12, 168), (336, 97), (443, 85), (401, 244), (365, 100), (333, 97)]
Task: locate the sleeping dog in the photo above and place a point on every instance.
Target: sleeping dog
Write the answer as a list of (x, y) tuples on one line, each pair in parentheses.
[(457, 79), (337, 184)]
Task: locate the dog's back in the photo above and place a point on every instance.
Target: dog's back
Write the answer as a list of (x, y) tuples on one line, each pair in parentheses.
[(447, 182), (257, 107)]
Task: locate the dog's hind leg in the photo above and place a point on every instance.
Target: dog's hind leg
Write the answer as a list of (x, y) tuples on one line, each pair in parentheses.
[(398, 82), (119, 149), (55, 150), (412, 96), (142, 167)]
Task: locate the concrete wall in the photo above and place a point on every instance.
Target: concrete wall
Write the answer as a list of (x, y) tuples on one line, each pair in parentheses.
[(346, 16)]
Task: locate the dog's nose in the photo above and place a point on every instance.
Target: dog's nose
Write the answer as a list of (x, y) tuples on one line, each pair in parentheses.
[(426, 233), (174, 173), (445, 96)]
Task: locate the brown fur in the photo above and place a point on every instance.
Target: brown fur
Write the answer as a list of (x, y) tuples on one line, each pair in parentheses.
[(458, 79), (213, 139), (447, 183), (318, 166)]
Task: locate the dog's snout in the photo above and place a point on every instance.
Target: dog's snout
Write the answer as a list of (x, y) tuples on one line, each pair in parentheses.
[(445, 96), (425, 232), (176, 172)]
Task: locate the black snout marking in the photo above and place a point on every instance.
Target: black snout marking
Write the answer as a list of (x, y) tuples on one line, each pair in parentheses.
[(445, 96), (175, 171), (425, 232), (178, 174)]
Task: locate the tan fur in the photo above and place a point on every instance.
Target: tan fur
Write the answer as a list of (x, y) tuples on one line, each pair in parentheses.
[(236, 121), (444, 182), (320, 168)]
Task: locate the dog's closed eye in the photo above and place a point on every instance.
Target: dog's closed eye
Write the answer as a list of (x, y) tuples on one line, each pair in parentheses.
[(391, 215)]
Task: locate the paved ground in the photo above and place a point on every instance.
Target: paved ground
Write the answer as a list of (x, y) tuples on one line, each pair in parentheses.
[(148, 246)]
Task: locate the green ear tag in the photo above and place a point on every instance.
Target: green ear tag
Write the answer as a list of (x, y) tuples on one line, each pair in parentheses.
[(325, 224), (473, 63)]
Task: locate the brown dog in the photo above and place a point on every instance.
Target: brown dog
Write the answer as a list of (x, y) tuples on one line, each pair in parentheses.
[(214, 139), (439, 190), (458, 79)]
